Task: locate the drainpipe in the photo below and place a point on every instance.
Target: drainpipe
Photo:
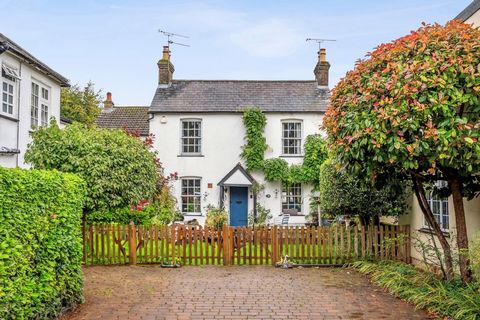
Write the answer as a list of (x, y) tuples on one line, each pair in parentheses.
[(18, 111)]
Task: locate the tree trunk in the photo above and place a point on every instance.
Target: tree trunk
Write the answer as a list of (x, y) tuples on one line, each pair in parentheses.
[(427, 212), (455, 185)]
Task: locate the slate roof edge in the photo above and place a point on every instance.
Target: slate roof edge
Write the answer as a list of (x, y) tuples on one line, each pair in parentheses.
[(225, 112), (468, 11), (21, 52)]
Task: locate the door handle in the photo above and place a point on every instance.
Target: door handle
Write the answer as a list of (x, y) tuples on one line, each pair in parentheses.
[(238, 202)]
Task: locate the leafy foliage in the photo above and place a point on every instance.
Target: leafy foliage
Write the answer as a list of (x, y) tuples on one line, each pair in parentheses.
[(475, 256), (412, 105), (315, 148), (447, 299), (412, 108), (254, 149), (262, 218), (120, 215), (216, 217), (40, 243), (276, 169), (119, 169), (81, 105), (341, 193)]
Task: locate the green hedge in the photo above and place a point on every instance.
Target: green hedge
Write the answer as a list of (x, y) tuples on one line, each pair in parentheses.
[(453, 299), (40, 243)]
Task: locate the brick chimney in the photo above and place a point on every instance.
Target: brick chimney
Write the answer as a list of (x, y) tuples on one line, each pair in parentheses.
[(165, 69), (108, 103), (321, 69)]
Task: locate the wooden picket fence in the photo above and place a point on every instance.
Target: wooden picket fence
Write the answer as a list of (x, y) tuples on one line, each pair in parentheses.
[(111, 244)]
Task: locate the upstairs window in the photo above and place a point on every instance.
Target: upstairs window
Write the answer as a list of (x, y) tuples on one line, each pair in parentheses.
[(191, 137), (439, 207), (34, 106), (191, 196), (292, 197), (292, 137), (9, 84), (39, 112)]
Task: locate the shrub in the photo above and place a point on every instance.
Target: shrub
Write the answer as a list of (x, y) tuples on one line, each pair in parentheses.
[(216, 217), (475, 256), (40, 243), (447, 299), (262, 218), (118, 168), (120, 215)]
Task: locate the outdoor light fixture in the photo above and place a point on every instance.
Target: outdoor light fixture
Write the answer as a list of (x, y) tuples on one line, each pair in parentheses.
[(163, 119)]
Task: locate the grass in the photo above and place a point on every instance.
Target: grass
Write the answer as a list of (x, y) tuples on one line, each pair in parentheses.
[(424, 289)]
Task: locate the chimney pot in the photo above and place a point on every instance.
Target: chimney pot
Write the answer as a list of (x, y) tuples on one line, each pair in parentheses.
[(321, 69), (165, 69), (108, 103)]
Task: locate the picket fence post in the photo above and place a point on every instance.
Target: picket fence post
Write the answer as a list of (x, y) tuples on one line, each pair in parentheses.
[(132, 244)]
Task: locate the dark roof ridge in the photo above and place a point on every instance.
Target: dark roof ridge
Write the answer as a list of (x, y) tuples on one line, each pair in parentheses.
[(469, 10), (17, 49), (237, 80)]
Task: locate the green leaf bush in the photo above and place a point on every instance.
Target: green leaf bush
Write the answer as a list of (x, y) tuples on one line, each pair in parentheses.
[(118, 168), (40, 243), (446, 299)]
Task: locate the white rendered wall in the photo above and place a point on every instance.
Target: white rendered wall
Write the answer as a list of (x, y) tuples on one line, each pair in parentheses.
[(222, 139), (16, 133)]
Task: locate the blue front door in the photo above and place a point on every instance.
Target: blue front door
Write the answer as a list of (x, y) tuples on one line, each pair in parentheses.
[(238, 206)]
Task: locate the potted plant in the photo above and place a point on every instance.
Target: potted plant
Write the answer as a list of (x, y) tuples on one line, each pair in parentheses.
[(171, 263)]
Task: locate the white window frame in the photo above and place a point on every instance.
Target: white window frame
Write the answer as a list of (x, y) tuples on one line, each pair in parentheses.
[(35, 105), (191, 196), (40, 105), (439, 207), (298, 149), (292, 191), (197, 140), (9, 79)]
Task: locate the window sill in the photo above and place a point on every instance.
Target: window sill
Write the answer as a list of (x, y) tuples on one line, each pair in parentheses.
[(192, 214), (190, 155), (291, 156), (430, 231), (5, 116)]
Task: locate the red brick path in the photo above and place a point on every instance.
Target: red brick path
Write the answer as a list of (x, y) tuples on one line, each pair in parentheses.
[(248, 292)]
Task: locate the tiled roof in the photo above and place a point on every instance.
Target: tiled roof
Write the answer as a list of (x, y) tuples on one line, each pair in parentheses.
[(15, 48), (469, 10), (234, 95), (129, 117)]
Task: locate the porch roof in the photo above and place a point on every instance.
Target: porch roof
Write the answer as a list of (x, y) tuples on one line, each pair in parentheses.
[(237, 177)]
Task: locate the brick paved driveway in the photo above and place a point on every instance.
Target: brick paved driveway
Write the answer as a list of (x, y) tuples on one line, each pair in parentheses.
[(249, 292)]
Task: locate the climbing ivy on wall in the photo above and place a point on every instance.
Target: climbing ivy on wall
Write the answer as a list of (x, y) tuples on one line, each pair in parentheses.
[(277, 169), (255, 146)]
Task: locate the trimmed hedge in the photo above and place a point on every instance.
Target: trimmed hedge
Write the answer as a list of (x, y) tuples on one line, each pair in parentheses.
[(40, 243), (454, 299)]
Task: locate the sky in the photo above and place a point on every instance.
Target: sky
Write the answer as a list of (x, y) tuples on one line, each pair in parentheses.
[(116, 44)]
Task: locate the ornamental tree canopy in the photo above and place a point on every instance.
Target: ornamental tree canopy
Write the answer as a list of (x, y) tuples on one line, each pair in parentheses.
[(412, 105)]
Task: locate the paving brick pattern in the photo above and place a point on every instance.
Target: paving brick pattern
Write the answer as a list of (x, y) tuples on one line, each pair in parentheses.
[(237, 292)]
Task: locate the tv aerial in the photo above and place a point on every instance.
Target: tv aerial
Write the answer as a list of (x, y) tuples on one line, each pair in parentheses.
[(320, 41), (170, 35)]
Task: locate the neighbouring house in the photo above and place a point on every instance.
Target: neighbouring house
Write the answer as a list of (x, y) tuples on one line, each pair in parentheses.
[(131, 118), (471, 14), (443, 207), (30, 97), (200, 134)]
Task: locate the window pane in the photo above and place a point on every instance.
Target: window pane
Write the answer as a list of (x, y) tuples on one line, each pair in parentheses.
[(191, 133)]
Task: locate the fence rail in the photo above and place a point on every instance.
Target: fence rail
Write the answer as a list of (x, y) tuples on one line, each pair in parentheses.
[(111, 244)]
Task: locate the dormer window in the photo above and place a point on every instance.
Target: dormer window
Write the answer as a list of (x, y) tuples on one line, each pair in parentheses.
[(292, 137), (191, 137), (9, 85)]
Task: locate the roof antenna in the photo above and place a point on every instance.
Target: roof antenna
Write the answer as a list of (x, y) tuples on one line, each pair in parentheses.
[(319, 41), (171, 35)]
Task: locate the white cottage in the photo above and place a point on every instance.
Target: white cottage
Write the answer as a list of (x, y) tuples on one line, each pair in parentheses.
[(30, 97), (199, 135)]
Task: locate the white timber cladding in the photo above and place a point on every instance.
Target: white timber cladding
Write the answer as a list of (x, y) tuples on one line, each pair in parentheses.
[(222, 138), (15, 128)]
